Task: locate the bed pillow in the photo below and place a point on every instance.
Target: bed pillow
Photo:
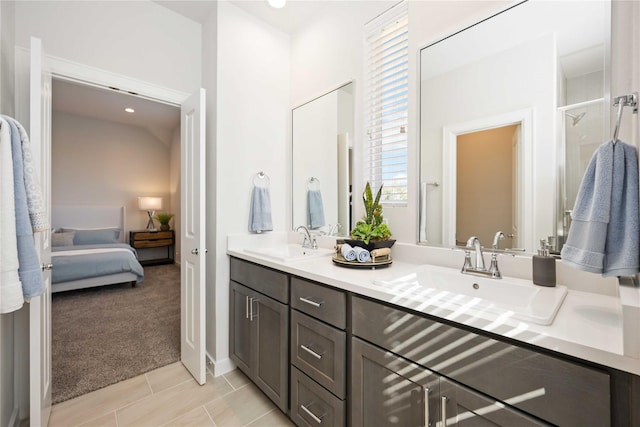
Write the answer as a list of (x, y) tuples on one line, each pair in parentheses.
[(62, 238), (95, 236)]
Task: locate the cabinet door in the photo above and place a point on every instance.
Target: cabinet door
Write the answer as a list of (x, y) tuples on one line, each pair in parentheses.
[(462, 407), (389, 390), (240, 327), (270, 327)]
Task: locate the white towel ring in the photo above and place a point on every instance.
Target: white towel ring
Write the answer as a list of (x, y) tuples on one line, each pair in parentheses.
[(313, 184), (261, 179)]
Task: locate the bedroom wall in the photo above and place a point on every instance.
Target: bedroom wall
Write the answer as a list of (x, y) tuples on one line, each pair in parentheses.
[(105, 163)]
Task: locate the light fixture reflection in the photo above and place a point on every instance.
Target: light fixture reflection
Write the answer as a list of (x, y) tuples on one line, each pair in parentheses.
[(129, 110), (277, 4)]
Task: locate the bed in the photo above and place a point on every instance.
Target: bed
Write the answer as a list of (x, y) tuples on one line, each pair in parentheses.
[(89, 249)]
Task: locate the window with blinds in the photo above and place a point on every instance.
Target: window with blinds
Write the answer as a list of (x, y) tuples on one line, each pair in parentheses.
[(386, 104)]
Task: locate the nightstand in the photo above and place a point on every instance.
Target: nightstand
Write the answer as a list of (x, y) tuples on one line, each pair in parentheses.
[(153, 247)]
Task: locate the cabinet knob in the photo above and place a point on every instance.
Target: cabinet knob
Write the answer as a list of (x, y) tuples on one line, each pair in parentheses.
[(48, 266), (195, 251)]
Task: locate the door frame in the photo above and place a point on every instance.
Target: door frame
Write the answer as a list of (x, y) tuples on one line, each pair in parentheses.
[(91, 76)]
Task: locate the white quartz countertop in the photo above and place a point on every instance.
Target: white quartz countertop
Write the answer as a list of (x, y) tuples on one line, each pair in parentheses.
[(587, 326)]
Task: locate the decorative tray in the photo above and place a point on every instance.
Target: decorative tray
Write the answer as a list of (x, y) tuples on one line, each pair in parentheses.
[(381, 262)]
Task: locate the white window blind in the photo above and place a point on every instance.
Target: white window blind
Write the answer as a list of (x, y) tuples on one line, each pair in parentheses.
[(386, 104)]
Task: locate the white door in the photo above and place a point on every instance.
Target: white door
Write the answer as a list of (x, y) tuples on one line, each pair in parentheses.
[(192, 258), (40, 307)]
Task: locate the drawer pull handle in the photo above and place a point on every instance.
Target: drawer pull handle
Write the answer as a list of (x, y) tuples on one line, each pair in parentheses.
[(444, 411), (427, 422), (311, 352), (311, 302), (311, 414), (246, 307)]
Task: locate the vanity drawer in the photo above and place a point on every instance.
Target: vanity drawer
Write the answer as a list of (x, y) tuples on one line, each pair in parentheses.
[(321, 302), (553, 389), (262, 279), (320, 351), (312, 405)]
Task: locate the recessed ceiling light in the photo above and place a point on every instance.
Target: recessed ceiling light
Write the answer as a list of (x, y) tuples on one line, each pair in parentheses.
[(277, 4), (129, 110)]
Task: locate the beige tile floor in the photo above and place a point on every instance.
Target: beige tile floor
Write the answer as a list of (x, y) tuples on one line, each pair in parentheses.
[(169, 396)]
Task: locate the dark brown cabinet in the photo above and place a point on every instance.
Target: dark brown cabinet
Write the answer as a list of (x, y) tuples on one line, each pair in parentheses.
[(259, 342)]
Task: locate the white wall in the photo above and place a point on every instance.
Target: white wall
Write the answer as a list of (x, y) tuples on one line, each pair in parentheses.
[(252, 135), (139, 39), (105, 163)]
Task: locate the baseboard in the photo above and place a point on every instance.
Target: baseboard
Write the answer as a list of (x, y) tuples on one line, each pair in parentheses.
[(220, 367)]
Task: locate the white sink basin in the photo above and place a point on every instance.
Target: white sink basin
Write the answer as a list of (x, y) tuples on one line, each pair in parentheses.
[(443, 286), (291, 252)]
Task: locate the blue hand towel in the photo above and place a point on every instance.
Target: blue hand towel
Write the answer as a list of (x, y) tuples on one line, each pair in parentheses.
[(362, 255), (605, 228), (348, 253), (29, 270), (315, 210), (260, 210)]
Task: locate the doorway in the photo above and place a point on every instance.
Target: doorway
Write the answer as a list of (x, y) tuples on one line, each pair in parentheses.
[(103, 155)]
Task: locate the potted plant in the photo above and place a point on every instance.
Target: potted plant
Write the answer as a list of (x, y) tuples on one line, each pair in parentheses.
[(164, 218), (371, 232)]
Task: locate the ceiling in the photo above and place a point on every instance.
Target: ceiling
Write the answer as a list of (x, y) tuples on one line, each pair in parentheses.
[(104, 104), (288, 19)]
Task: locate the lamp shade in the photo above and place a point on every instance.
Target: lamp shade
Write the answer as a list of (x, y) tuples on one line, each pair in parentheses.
[(149, 203)]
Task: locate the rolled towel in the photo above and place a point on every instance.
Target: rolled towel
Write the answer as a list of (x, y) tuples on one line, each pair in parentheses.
[(362, 255), (348, 253), (376, 253)]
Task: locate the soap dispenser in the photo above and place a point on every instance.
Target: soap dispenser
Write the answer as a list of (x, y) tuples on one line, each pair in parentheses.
[(544, 266)]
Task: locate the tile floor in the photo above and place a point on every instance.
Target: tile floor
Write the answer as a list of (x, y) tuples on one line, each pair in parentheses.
[(169, 396)]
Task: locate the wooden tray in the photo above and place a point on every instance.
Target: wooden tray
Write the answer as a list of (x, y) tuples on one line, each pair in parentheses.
[(381, 262)]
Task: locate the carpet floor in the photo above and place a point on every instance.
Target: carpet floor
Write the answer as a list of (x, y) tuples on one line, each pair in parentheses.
[(104, 335)]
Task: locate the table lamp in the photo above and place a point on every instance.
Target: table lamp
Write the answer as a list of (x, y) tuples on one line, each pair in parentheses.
[(150, 204)]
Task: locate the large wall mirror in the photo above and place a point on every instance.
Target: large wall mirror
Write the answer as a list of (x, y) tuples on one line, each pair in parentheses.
[(321, 154), (511, 110)]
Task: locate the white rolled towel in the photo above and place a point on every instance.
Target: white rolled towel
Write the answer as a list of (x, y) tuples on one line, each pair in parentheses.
[(362, 255), (348, 253)]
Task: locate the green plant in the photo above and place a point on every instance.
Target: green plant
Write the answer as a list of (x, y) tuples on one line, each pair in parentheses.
[(164, 217), (371, 227)]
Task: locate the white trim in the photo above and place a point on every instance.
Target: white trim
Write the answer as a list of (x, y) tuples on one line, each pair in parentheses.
[(70, 70), (525, 118), (221, 367)]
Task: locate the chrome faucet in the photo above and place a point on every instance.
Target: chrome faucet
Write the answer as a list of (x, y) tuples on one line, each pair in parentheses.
[(479, 267), (309, 241)]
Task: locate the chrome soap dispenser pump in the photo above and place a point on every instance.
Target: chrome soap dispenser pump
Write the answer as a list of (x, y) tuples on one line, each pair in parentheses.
[(544, 266)]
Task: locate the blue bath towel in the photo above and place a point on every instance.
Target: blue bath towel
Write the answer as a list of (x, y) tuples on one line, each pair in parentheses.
[(605, 229), (260, 210), (315, 210), (29, 270)]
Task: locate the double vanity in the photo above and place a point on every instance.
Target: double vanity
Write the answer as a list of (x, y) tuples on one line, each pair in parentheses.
[(419, 344)]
